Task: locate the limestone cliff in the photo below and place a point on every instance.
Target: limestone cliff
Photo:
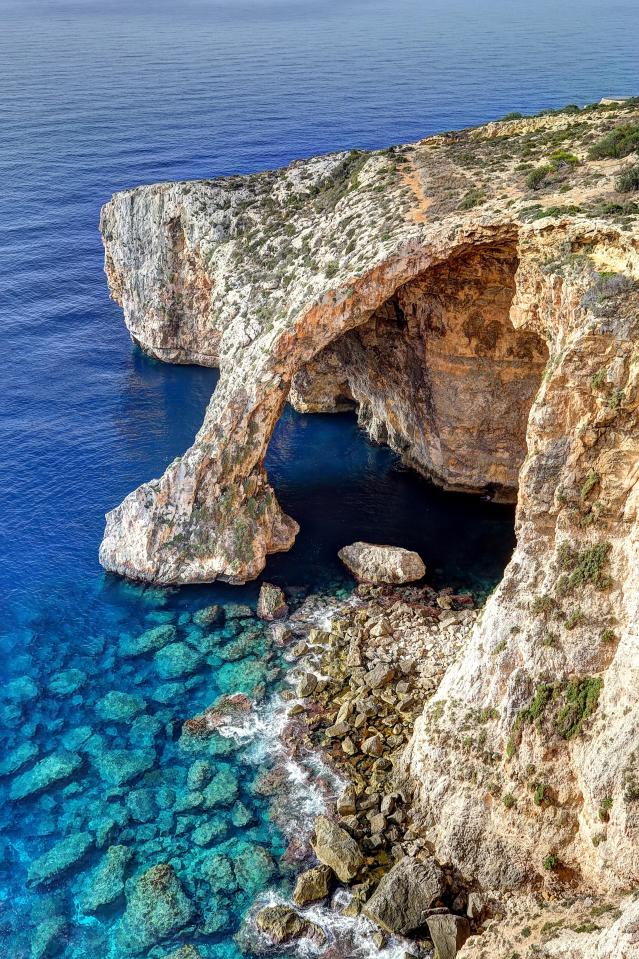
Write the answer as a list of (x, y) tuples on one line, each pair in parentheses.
[(475, 297)]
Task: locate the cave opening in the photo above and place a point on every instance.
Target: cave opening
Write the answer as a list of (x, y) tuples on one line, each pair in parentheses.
[(439, 374), (442, 383)]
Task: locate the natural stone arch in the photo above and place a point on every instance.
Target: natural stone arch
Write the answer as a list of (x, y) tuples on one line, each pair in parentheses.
[(213, 513)]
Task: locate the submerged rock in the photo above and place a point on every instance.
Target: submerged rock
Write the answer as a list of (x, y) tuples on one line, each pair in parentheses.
[(184, 952), (18, 758), (120, 707), (371, 563), (119, 766), (218, 872), (271, 603), (157, 907), (49, 938), (254, 867), (449, 933), (177, 660), (106, 884), (59, 858), (49, 771), (334, 847), (405, 894), (147, 642), (280, 924), (67, 682), (20, 690), (312, 885), (209, 616)]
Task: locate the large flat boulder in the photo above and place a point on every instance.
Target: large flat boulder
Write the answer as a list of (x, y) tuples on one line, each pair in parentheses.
[(405, 894), (334, 847), (372, 563), (281, 925)]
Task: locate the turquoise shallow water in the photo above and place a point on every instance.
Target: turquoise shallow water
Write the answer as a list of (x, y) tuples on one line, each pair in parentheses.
[(98, 95)]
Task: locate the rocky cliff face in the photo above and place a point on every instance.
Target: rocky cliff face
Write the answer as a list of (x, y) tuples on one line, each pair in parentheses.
[(476, 297)]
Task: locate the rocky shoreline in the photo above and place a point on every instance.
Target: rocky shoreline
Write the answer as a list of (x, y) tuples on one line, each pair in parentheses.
[(361, 679)]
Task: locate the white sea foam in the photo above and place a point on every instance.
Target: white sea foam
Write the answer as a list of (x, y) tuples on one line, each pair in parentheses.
[(352, 934)]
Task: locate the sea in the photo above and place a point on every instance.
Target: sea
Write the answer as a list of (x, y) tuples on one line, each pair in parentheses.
[(98, 784)]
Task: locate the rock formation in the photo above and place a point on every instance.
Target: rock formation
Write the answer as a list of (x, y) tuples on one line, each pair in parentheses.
[(475, 296)]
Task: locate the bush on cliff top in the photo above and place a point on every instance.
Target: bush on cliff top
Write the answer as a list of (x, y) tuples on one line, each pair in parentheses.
[(628, 182), (620, 142)]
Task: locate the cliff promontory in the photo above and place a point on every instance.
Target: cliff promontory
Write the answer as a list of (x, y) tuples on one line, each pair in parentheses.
[(475, 298)]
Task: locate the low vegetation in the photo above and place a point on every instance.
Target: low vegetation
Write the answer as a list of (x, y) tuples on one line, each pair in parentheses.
[(628, 181), (619, 143)]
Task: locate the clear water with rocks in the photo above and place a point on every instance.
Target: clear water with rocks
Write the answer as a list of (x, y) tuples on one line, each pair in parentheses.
[(98, 784)]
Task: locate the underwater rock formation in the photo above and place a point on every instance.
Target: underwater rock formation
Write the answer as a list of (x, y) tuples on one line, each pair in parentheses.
[(475, 296)]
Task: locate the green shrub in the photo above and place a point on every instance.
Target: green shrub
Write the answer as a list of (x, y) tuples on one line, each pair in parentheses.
[(604, 809), (582, 697), (509, 800), (592, 479), (608, 636), (538, 176), (575, 618), (550, 862), (583, 566), (512, 116), (628, 182), (331, 269), (540, 794), (620, 142), (562, 158), (472, 199)]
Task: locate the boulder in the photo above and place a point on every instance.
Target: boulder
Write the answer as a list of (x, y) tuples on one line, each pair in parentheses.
[(184, 952), (17, 758), (449, 933), (404, 895), (271, 603), (312, 885), (147, 642), (119, 766), (67, 682), (49, 771), (59, 858), (177, 660), (225, 709), (119, 707), (334, 847), (106, 884), (280, 924), (307, 685), (209, 616), (371, 563), (157, 907), (49, 938)]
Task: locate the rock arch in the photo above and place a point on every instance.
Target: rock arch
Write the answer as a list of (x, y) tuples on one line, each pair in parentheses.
[(459, 383)]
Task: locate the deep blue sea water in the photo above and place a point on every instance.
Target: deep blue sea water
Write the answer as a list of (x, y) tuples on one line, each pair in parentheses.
[(96, 96)]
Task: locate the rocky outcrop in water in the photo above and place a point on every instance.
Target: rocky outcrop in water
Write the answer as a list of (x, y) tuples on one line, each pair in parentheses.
[(475, 296)]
